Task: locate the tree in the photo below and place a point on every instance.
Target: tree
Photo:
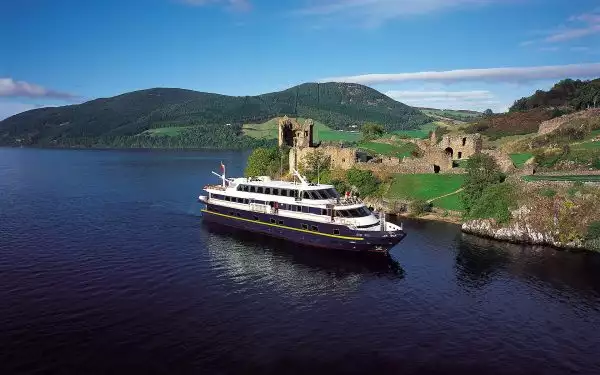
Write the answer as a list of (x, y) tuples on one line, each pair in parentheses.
[(488, 113), (371, 131), (364, 181), (482, 172), (264, 162), (315, 165)]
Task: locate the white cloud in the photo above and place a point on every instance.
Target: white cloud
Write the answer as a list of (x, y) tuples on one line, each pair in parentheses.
[(378, 11), (11, 88), (236, 5), (515, 74), (474, 100), (577, 27)]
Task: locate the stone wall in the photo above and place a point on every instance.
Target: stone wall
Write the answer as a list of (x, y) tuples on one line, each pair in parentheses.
[(461, 146), (502, 158), (341, 157)]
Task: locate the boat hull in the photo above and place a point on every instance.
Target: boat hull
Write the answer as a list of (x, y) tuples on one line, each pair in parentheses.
[(292, 229)]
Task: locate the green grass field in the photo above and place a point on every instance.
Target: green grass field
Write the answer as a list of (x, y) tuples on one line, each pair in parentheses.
[(424, 186), (268, 130), (399, 151), (168, 131), (582, 178), (421, 133), (451, 202), (520, 159)]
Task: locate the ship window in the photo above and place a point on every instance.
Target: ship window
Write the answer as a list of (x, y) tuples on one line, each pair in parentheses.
[(267, 190), (245, 188), (228, 198), (253, 189), (275, 191), (246, 201), (259, 189), (298, 208), (333, 193), (336, 231), (314, 195), (273, 221), (305, 209), (255, 217), (314, 228), (323, 211), (280, 222), (295, 192), (305, 195), (284, 192), (304, 226)]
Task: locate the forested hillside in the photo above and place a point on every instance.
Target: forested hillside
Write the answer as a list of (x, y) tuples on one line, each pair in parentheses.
[(207, 120), (576, 94)]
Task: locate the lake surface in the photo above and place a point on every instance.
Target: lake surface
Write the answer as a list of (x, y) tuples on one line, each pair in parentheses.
[(106, 267)]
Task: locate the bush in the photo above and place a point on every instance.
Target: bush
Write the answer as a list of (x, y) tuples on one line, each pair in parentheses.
[(266, 162), (596, 163), (549, 193), (419, 207), (366, 183), (593, 231), (495, 202), (482, 172)]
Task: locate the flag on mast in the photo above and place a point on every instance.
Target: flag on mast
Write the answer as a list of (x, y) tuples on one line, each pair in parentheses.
[(223, 170)]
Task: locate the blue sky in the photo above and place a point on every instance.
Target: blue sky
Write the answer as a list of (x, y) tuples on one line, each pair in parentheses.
[(471, 54)]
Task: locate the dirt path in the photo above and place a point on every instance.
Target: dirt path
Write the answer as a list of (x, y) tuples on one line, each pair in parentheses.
[(445, 195)]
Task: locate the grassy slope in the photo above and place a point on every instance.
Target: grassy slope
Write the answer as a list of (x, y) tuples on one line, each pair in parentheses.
[(520, 158), (399, 151), (424, 186), (421, 133), (452, 202), (449, 112)]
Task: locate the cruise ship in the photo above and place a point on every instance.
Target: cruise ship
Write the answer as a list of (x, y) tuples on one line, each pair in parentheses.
[(298, 211)]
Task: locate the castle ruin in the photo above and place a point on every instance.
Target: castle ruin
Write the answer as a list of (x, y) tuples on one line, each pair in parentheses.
[(435, 157)]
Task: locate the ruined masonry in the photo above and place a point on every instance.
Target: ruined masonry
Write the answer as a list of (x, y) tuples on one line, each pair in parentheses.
[(436, 157)]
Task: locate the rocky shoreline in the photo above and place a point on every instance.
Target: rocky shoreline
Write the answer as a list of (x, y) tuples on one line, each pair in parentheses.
[(524, 234)]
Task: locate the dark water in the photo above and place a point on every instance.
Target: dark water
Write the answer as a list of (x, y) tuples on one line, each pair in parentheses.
[(106, 268)]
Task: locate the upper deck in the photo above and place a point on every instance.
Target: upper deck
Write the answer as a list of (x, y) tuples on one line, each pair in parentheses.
[(283, 192)]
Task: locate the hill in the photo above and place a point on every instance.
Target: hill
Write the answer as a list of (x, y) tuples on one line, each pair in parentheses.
[(574, 94), (451, 115), (201, 119)]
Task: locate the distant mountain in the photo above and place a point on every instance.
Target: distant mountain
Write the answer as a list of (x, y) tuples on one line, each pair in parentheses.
[(462, 115), (215, 119), (575, 94)]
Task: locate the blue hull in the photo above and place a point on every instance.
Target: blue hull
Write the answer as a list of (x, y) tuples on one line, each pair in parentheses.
[(324, 235)]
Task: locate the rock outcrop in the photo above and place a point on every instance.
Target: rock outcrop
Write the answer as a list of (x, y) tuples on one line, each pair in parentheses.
[(556, 123), (517, 232)]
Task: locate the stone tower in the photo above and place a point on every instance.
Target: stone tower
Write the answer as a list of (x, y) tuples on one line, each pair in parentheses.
[(294, 134)]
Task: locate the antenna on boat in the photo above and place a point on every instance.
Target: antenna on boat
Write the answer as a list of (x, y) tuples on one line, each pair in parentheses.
[(302, 180)]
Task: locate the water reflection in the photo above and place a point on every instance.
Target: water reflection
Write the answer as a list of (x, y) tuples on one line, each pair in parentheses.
[(480, 260), (247, 256), (477, 261)]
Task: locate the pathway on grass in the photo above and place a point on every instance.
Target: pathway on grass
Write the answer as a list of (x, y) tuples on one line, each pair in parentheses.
[(445, 195)]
